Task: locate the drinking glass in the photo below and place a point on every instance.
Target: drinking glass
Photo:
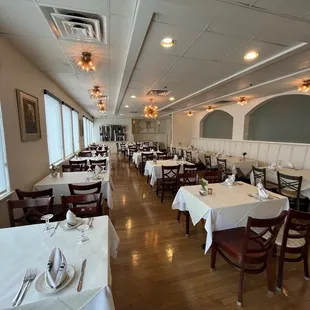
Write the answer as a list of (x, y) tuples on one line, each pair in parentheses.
[(48, 228), (83, 247)]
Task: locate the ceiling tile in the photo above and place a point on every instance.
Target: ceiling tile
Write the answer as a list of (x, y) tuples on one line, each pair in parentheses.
[(187, 65), (53, 66), (76, 48), (213, 46), (175, 77), (146, 76), (153, 61)]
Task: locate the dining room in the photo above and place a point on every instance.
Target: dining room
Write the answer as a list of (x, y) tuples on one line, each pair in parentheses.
[(154, 154)]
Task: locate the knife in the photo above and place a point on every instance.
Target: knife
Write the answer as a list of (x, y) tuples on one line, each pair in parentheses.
[(53, 233), (80, 285)]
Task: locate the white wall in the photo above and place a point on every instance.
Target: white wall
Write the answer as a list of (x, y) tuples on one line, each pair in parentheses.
[(28, 161), (182, 128)]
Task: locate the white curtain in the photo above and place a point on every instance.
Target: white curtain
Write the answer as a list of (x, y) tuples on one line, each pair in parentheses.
[(53, 128), (3, 163), (67, 130), (76, 132)]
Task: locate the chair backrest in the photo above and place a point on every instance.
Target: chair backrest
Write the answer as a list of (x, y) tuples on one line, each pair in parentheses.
[(189, 168), (174, 151), (162, 156), (147, 143), (187, 179), (78, 189), (189, 156), (83, 205), (297, 226), (255, 247), (289, 182), (146, 148), (82, 162), (85, 154), (222, 165), (145, 157), (102, 153), (132, 150), (208, 162), (168, 150), (259, 175), (170, 173), (35, 194), (117, 146), (99, 162), (33, 210), (155, 145), (213, 176), (73, 168), (123, 147)]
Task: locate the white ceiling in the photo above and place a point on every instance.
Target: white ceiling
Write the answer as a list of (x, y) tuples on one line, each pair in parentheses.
[(205, 66)]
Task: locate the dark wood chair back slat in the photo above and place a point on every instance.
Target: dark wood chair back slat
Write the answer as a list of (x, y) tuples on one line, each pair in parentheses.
[(208, 162), (259, 175), (73, 168), (34, 194), (85, 154), (213, 176), (82, 162), (189, 168), (99, 162), (78, 189), (222, 165), (174, 151), (170, 173), (187, 179), (189, 156)]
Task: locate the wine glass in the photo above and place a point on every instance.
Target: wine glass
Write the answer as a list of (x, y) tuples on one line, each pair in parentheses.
[(83, 247), (48, 228)]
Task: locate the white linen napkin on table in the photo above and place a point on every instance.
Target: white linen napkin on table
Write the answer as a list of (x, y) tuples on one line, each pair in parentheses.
[(175, 157), (230, 180), (97, 170), (261, 190), (228, 154), (272, 166), (56, 269), (70, 218), (290, 165)]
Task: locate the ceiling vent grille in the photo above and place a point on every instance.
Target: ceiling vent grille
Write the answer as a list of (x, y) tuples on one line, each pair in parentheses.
[(158, 92), (76, 26)]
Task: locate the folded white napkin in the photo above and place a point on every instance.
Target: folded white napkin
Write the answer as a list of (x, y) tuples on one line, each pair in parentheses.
[(175, 157), (99, 156), (261, 190), (272, 166), (97, 170), (230, 180), (290, 165), (228, 154), (56, 269), (70, 218)]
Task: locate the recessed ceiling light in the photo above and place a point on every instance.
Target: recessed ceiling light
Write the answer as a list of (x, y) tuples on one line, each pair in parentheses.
[(251, 55), (171, 98), (133, 97), (167, 42), (127, 106)]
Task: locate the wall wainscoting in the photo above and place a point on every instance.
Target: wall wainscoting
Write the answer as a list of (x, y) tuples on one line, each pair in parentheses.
[(264, 152)]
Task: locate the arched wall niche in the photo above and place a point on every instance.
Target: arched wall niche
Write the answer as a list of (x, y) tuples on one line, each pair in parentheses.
[(279, 119), (217, 124)]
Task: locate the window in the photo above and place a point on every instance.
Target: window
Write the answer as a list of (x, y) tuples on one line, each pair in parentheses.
[(62, 126), (67, 130), (76, 132), (4, 177), (88, 131), (53, 128)]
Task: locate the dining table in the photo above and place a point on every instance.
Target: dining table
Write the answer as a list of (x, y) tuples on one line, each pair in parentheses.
[(60, 184), (154, 170), (137, 156), (24, 247), (227, 207)]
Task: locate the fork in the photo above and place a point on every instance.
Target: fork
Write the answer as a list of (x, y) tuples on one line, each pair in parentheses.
[(26, 279), (33, 274)]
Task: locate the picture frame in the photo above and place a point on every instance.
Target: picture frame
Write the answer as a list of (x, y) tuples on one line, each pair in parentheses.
[(29, 116)]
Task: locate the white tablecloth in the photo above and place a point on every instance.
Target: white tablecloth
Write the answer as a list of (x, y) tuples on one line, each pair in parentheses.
[(227, 207), (22, 248), (154, 170), (271, 176), (93, 158), (136, 157), (60, 185)]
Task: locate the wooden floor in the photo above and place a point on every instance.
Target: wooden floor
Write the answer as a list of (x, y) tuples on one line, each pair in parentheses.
[(159, 268)]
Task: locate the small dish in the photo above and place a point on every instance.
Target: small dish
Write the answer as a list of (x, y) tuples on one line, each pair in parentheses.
[(64, 225), (42, 288)]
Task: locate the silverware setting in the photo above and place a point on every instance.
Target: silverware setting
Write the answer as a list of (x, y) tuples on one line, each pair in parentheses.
[(30, 275), (53, 233), (90, 222), (80, 284)]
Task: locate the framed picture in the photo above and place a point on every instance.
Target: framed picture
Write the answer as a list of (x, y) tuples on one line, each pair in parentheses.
[(29, 117)]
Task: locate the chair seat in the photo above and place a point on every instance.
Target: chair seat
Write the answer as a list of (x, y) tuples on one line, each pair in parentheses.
[(291, 243), (270, 185), (231, 240), (167, 182), (292, 194)]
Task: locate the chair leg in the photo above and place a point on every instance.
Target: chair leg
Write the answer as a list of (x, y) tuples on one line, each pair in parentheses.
[(179, 216), (213, 255), (280, 273), (271, 273), (240, 290), (162, 194), (306, 267), (187, 223)]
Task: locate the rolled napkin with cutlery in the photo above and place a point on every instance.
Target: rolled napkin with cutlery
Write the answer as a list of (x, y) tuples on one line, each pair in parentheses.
[(272, 166), (261, 190), (290, 165), (71, 218), (56, 269)]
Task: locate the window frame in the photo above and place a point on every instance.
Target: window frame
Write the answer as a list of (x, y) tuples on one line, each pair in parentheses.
[(65, 106)]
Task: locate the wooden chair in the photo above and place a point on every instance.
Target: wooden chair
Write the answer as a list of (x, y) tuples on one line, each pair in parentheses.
[(144, 158), (123, 149), (34, 194), (78, 189), (259, 174), (118, 149), (169, 180), (293, 239), (33, 210), (247, 251), (85, 154), (146, 149), (208, 162), (99, 162), (222, 166), (73, 168), (147, 143), (174, 151), (189, 156), (162, 156), (131, 151), (168, 151), (213, 176), (290, 187), (155, 145), (189, 168), (82, 162), (83, 205), (102, 153)]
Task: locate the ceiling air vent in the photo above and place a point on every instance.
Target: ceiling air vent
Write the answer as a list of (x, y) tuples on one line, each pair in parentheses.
[(76, 26), (158, 92)]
